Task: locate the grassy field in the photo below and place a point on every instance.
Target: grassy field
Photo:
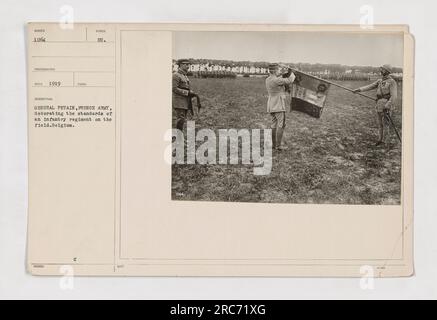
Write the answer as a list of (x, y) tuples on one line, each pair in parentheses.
[(330, 160)]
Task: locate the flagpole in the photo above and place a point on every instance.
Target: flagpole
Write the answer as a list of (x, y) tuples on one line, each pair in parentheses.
[(390, 120), (334, 84)]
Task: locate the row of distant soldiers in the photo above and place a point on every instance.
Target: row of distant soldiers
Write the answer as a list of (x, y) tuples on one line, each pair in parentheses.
[(343, 76), (214, 74), (208, 70), (215, 67)]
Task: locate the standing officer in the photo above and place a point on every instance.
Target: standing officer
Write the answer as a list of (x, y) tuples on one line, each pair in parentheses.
[(275, 85), (181, 93), (386, 95)]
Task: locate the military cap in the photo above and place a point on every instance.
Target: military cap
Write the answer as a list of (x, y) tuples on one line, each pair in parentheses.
[(273, 66), (387, 68), (181, 61)]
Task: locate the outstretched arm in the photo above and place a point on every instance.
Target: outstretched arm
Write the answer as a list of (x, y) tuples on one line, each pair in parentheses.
[(368, 87)]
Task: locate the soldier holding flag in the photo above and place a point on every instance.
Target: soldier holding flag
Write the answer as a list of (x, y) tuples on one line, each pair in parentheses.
[(275, 85), (386, 95)]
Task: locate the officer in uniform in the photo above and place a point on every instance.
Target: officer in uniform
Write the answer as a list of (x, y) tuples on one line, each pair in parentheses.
[(181, 93), (386, 95), (275, 85)]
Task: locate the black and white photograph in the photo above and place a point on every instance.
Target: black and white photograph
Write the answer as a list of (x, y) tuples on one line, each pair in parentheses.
[(287, 117)]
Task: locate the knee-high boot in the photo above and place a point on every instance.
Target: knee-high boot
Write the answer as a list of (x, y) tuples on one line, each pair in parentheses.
[(279, 134), (274, 138), (180, 124)]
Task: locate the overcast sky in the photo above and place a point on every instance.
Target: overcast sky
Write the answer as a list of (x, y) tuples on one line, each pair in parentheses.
[(293, 47)]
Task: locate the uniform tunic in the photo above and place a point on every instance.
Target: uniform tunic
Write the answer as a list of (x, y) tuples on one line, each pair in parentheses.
[(276, 104), (276, 89), (181, 89)]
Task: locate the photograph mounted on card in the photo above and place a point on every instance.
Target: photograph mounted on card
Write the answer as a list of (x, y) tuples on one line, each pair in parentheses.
[(220, 150)]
